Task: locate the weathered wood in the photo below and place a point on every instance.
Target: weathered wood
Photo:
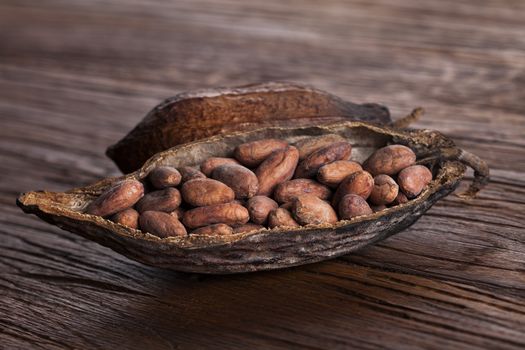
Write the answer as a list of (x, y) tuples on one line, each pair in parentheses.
[(75, 77)]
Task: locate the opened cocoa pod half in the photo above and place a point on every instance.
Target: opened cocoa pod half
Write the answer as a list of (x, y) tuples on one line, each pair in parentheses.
[(198, 114), (258, 248)]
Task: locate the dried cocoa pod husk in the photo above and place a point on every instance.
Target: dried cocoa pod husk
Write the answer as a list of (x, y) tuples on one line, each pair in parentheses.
[(194, 115), (266, 248)]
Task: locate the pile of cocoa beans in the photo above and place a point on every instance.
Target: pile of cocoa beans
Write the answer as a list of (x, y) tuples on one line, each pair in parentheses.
[(267, 183)]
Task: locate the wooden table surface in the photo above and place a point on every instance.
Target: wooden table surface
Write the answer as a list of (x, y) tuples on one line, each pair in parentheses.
[(75, 76)]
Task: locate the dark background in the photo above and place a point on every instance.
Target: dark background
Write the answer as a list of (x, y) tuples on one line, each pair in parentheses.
[(75, 76)]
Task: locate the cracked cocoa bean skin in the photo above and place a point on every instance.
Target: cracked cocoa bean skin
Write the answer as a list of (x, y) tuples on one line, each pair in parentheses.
[(277, 168), (189, 173), (203, 192), (259, 207), (389, 160), (309, 209), (289, 190), (334, 173), (127, 217), (166, 200), (413, 179), (121, 196), (360, 183), (239, 178), (309, 167), (281, 217), (213, 230), (353, 205), (247, 228), (227, 213), (210, 164), (251, 154), (311, 144), (164, 176), (385, 190), (161, 224)]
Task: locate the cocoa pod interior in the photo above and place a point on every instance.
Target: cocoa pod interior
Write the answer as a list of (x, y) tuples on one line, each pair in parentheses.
[(266, 248)]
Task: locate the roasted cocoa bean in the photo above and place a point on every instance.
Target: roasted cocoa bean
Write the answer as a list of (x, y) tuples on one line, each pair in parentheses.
[(240, 179), (310, 165), (277, 168), (281, 217), (251, 154), (334, 173), (289, 190), (203, 192), (249, 227), (309, 209), (127, 217), (385, 190), (164, 176), (413, 179), (352, 205), (360, 183), (210, 164), (389, 160), (401, 198), (213, 230), (121, 196), (166, 200), (161, 224), (259, 207), (227, 213), (309, 145), (189, 173)]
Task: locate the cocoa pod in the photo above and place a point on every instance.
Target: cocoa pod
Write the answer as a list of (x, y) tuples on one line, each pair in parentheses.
[(251, 154), (166, 200), (164, 176), (289, 190), (281, 217), (385, 190), (118, 197), (309, 209), (413, 179), (240, 179), (189, 173), (360, 183), (352, 205), (277, 168), (161, 224), (210, 164), (203, 192), (389, 160), (334, 173), (309, 145), (213, 230), (127, 217), (259, 207), (227, 213), (249, 227), (328, 154)]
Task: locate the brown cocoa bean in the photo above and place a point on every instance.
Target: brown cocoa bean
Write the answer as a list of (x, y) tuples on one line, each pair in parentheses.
[(277, 168), (213, 230), (203, 192), (281, 217), (360, 183), (227, 213), (352, 205), (249, 227), (385, 190), (161, 224), (289, 190), (189, 173), (389, 160), (254, 153), (310, 165), (127, 217), (240, 179), (311, 144), (177, 213), (400, 199), (210, 164), (376, 208), (309, 209), (287, 206), (259, 207), (164, 176), (413, 179), (121, 196), (166, 200), (334, 173)]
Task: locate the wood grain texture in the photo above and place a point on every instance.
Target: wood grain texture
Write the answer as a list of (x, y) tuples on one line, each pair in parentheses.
[(76, 76)]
